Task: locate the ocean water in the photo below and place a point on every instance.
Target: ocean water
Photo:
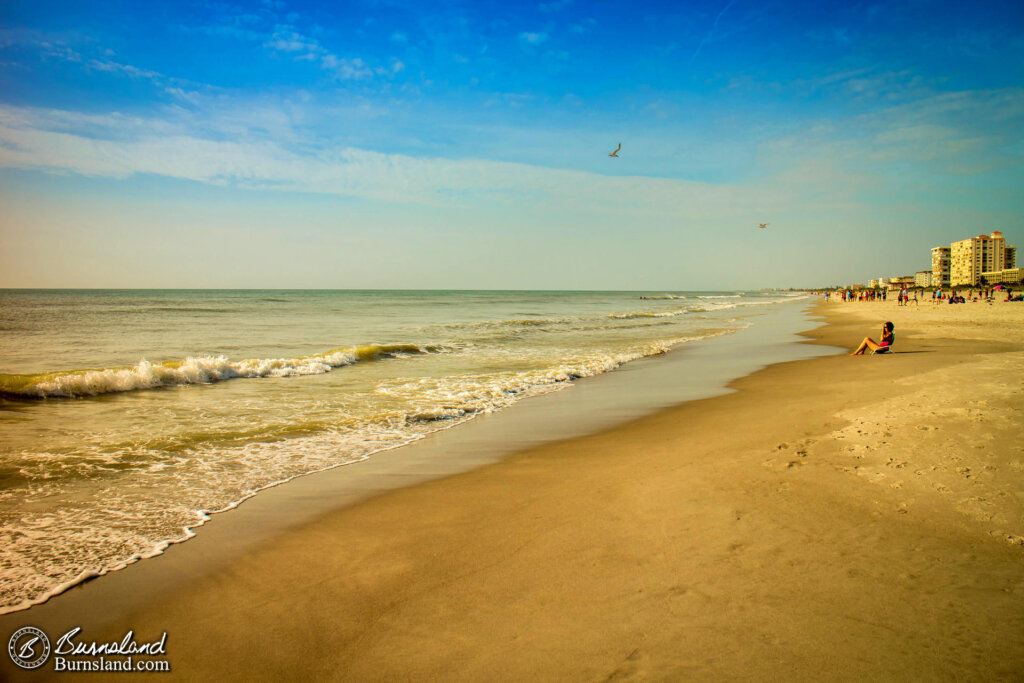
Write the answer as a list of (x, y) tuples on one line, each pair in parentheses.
[(128, 417)]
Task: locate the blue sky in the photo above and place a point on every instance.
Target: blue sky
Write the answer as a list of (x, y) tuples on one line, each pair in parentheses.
[(464, 145)]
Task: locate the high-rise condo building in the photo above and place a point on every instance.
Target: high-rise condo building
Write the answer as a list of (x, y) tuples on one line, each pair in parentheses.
[(940, 267), (971, 257)]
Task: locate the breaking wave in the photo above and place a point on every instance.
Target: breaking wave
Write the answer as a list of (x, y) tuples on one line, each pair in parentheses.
[(194, 370)]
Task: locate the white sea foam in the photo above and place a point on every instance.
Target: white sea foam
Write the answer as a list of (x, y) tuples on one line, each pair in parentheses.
[(193, 370), (649, 314), (206, 451), (147, 526)]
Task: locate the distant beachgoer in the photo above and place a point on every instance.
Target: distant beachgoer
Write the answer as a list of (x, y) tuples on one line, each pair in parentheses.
[(882, 346)]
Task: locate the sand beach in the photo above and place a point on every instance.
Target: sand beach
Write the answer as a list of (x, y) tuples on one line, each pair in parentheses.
[(833, 518), (485, 342)]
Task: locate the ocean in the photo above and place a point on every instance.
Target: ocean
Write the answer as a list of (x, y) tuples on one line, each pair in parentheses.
[(127, 417)]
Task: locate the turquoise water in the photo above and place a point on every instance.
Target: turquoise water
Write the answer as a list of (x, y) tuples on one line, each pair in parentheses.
[(126, 417)]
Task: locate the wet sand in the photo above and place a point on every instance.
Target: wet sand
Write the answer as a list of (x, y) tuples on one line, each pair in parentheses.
[(840, 518)]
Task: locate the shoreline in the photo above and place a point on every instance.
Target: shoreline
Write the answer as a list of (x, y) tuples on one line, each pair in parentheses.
[(587, 405), (664, 547)]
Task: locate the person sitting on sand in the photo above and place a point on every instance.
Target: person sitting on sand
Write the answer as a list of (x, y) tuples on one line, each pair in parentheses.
[(869, 343)]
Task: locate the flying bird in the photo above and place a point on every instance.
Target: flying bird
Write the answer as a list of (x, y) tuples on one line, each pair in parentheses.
[(762, 225), (616, 152)]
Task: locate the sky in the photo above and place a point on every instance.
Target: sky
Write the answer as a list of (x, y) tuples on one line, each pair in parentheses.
[(464, 145)]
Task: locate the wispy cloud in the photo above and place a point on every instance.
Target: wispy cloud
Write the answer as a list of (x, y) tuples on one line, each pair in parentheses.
[(343, 171), (49, 50), (287, 40), (346, 68), (969, 132), (709, 34)]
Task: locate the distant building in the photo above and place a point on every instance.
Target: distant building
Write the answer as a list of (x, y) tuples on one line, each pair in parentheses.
[(971, 257), (883, 282), (1007, 276), (896, 283), (940, 266), (923, 278), (873, 284)]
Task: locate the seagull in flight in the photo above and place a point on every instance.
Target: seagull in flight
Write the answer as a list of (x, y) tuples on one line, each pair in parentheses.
[(762, 225), (616, 152)]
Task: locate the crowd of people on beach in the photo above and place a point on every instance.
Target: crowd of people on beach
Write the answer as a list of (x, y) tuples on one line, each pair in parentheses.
[(938, 295)]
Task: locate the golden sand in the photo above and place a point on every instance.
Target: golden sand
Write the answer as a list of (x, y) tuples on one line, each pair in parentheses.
[(834, 519)]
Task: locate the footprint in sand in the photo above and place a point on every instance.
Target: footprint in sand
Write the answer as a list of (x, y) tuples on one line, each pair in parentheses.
[(973, 507), (630, 667)]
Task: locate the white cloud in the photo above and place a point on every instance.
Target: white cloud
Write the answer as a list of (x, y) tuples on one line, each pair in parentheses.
[(290, 41), (274, 144), (349, 69), (49, 50), (347, 171), (287, 40), (126, 69)]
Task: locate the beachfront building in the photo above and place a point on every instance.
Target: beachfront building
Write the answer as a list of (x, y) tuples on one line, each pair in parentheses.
[(1008, 276), (896, 283), (923, 278), (940, 266), (971, 257), (873, 284)]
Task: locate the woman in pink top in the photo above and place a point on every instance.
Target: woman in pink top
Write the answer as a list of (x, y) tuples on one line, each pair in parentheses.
[(882, 346)]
